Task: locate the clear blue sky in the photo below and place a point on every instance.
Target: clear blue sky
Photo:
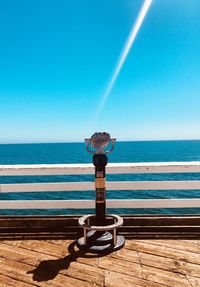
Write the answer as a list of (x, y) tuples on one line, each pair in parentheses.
[(57, 56)]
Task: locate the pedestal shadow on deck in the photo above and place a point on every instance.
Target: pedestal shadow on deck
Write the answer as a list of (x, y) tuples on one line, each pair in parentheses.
[(49, 269)]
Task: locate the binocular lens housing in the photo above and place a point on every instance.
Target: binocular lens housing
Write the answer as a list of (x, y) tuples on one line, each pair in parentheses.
[(100, 140)]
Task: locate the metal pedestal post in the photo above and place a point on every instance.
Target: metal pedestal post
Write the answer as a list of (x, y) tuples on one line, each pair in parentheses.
[(100, 162), (98, 239)]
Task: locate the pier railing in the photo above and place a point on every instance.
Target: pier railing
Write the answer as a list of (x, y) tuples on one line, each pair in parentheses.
[(112, 168)]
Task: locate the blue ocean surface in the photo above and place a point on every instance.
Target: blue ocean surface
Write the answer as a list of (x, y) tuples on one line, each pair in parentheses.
[(137, 151)]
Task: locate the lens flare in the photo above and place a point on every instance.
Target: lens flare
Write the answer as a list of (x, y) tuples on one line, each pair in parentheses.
[(124, 54)]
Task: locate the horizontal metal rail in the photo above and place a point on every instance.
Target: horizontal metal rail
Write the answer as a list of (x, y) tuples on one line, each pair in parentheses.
[(113, 185), (83, 204), (112, 168)]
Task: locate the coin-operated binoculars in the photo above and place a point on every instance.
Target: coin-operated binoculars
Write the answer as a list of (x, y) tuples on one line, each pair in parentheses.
[(97, 237)]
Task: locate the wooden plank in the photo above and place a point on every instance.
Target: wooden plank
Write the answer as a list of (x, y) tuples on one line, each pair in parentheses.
[(114, 168), (159, 220), (57, 242), (86, 272), (48, 251), (25, 256), (168, 264), (48, 248), (115, 185), (195, 282), (161, 229), (49, 263), (163, 251), (38, 221), (44, 247), (64, 227), (43, 277), (115, 279), (66, 265), (69, 264), (157, 261), (165, 277), (185, 245), (19, 272), (145, 272), (62, 221), (6, 281), (138, 235), (126, 254), (144, 235), (195, 241)]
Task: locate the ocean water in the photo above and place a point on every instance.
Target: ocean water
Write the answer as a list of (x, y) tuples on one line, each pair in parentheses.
[(138, 151)]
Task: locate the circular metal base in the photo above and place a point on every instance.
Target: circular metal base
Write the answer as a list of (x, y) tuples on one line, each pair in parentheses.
[(100, 243), (100, 238)]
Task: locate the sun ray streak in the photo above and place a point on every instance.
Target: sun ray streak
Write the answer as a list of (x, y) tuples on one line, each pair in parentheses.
[(124, 54)]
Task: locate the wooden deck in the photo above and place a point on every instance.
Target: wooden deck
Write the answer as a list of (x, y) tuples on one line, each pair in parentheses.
[(41, 251), (142, 263)]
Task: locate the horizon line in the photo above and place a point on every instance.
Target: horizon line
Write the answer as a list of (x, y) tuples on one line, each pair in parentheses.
[(128, 140)]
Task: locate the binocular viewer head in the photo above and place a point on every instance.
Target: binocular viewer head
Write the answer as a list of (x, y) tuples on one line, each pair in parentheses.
[(99, 141)]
